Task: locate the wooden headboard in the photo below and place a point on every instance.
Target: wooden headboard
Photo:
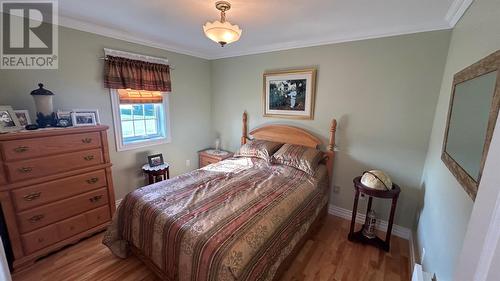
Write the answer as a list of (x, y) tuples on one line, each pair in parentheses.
[(292, 135)]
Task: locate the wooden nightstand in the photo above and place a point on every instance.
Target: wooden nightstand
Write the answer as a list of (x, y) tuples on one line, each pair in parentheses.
[(209, 156)]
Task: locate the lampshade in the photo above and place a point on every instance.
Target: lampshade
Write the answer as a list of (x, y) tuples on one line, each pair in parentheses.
[(222, 32)]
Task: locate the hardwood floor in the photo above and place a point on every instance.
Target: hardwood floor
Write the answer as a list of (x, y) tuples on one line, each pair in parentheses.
[(329, 256)]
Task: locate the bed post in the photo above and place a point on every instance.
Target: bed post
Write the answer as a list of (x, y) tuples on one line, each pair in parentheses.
[(244, 133), (330, 149)]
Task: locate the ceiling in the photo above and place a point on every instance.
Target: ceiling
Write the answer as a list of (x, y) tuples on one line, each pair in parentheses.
[(267, 25)]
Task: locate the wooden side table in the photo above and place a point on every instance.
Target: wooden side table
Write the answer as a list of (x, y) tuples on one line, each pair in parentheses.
[(386, 194), (156, 173), (210, 156)]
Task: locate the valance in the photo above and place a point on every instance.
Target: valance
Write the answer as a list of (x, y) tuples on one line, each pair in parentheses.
[(124, 73)]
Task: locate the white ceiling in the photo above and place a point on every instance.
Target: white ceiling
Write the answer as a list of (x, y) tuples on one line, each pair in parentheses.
[(267, 25)]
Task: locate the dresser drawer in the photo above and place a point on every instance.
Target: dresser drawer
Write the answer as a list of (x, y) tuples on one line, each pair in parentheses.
[(39, 194), (39, 239), (98, 216), (47, 214), (39, 167), (30, 148), (71, 226)]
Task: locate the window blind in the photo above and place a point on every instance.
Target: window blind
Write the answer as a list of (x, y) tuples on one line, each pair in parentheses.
[(135, 96)]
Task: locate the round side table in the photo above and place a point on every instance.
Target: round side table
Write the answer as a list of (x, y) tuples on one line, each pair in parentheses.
[(156, 173), (386, 194)]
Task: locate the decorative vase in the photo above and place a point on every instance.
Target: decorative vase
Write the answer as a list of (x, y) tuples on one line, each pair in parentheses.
[(45, 116)]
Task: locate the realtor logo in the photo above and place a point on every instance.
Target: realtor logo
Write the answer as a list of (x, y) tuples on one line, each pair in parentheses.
[(29, 35)]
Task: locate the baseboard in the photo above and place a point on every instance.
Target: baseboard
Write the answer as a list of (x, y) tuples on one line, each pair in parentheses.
[(399, 231)]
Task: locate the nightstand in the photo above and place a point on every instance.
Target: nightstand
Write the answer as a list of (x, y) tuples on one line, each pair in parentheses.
[(210, 156)]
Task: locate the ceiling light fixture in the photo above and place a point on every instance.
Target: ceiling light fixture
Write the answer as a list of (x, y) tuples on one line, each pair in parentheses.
[(222, 32)]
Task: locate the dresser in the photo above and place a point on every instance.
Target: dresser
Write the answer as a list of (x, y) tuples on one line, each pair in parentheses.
[(55, 188)]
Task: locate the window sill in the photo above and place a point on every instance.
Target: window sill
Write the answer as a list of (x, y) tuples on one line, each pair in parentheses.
[(141, 144)]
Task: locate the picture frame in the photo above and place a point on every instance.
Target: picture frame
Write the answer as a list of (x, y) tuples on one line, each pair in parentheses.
[(80, 119), (64, 118), (94, 111), (155, 160), (23, 116), (289, 93), (8, 120)]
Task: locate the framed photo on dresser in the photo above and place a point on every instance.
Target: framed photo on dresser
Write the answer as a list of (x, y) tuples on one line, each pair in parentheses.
[(289, 93), (8, 120)]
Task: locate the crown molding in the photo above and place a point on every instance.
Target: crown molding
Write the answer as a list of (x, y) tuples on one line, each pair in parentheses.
[(456, 11), (120, 35), (335, 40)]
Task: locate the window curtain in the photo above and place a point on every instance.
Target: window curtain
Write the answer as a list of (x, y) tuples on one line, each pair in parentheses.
[(124, 73)]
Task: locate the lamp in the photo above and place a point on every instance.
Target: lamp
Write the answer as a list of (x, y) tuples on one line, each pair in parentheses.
[(222, 32)]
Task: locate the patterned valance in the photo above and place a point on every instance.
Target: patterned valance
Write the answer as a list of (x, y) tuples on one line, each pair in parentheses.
[(124, 73)]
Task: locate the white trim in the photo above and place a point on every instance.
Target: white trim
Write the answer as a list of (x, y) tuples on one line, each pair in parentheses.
[(456, 11), (134, 56), (125, 36), (115, 105), (490, 245), (347, 38), (397, 230), (413, 258)]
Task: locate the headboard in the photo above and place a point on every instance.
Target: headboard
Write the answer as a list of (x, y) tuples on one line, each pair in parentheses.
[(292, 135)]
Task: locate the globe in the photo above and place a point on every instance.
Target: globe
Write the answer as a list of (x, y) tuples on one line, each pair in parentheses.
[(376, 179)]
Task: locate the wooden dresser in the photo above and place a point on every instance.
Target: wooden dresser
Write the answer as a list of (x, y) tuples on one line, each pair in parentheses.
[(55, 188)]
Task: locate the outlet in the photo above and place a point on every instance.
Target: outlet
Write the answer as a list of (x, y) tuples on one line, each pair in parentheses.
[(336, 189), (188, 163), (423, 256)]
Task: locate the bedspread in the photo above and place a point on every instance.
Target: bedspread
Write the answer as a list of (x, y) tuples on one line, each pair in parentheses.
[(233, 220)]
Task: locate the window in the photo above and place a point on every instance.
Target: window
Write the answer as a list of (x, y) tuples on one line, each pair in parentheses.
[(140, 118)]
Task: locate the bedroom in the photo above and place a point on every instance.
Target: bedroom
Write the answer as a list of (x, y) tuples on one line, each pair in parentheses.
[(386, 78)]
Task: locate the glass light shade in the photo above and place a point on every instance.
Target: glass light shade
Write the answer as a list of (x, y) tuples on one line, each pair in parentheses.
[(222, 32)]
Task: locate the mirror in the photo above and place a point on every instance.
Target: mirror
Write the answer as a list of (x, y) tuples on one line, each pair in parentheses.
[(472, 116)]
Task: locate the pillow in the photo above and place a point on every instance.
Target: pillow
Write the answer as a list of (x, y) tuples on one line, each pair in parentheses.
[(303, 158), (258, 148)]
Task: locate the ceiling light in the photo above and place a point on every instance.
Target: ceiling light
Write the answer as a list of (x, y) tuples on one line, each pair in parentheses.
[(222, 32)]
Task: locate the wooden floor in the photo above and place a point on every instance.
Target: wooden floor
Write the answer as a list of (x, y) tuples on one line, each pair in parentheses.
[(329, 256)]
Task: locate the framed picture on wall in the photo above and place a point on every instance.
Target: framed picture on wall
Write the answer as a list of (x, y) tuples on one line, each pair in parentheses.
[(289, 93)]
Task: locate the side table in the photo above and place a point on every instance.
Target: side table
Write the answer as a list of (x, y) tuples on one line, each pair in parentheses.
[(386, 194), (156, 173)]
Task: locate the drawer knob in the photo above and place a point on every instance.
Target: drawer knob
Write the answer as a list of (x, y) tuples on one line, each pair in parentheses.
[(36, 218), (89, 157), (21, 149), (87, 140), (25, 169), (95, 199), (32, 196), (93, 180), (40, 240), (71, 228)]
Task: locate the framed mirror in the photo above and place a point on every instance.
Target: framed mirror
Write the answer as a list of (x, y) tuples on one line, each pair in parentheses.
[(472, 115)]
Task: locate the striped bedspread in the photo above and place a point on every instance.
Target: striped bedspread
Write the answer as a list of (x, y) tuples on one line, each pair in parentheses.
[(234, 220)]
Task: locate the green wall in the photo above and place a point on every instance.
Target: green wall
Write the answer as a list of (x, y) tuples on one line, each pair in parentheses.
[(78, 84), (447, 208), (382, 91)]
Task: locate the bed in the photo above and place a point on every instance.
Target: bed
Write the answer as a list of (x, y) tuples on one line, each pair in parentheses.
[(239, 219)]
